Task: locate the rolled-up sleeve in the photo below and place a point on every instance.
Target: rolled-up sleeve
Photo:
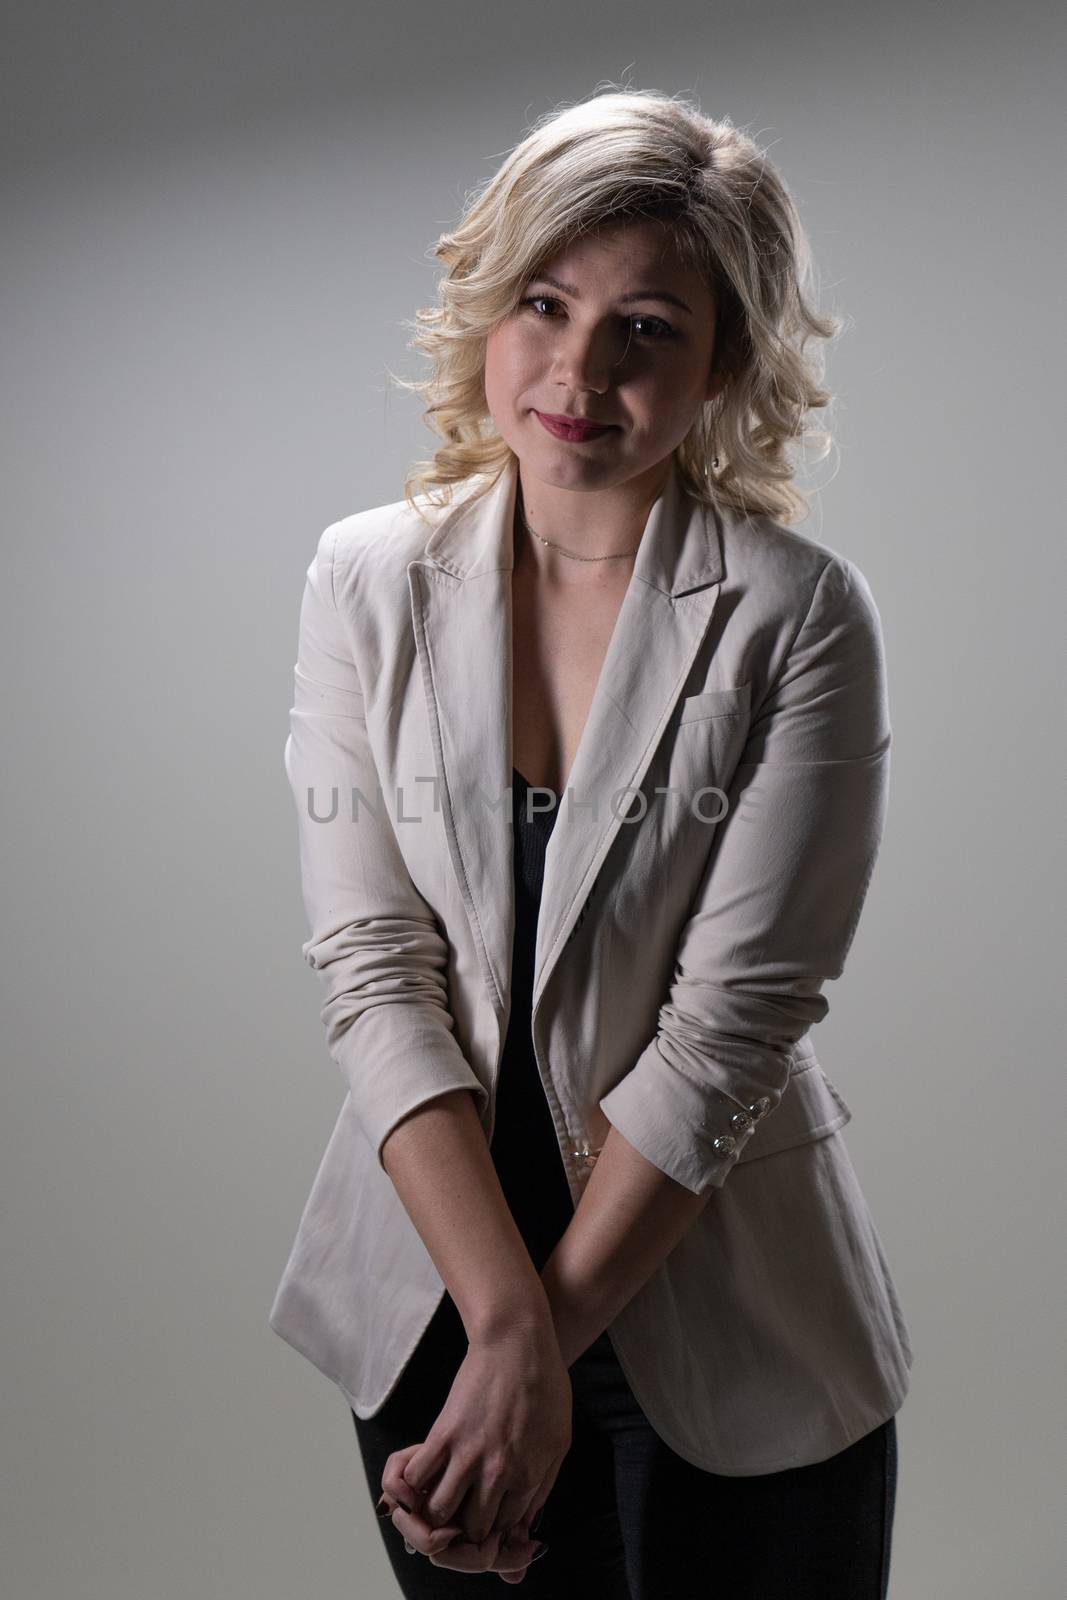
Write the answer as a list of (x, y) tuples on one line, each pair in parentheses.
[(780, 898), (374, 941)]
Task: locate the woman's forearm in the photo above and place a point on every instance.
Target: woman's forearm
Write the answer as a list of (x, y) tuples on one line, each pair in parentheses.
[(440, 1165), (630, 1217)]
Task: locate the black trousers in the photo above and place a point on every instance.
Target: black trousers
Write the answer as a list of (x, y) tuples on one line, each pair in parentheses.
[(635, 1520)]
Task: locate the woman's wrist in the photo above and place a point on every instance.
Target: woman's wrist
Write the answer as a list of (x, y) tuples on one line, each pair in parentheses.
[(522, 1310), (578, 1316)]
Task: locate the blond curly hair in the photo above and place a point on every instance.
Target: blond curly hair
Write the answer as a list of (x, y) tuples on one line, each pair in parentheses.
[(631, 154)]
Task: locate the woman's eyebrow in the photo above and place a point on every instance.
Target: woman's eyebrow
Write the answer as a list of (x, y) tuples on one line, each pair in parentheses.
[(638, 294)]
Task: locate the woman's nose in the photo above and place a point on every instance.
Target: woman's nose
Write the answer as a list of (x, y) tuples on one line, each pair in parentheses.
[(587, 360)]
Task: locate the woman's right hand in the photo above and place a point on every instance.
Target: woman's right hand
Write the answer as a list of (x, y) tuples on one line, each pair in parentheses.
[(447, 1546), (489, 1461)]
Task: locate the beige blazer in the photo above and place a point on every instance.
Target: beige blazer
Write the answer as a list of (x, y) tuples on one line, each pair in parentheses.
[(680, 959)]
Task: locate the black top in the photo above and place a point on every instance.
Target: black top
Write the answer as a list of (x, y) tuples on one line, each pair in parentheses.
[(525, 1149)]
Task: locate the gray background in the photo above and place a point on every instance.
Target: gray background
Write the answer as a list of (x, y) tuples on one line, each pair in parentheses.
[(215, 219)]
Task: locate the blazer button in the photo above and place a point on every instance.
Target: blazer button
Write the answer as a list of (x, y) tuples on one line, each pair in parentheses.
[(740, 1121), (759, 1107), (723, 1145)]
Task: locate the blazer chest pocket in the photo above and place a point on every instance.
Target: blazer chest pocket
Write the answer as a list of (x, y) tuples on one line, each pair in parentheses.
[(714, 703)]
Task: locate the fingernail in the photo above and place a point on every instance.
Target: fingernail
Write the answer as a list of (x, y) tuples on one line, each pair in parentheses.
[(382, 1508), (541, 1548), (536, 1523)]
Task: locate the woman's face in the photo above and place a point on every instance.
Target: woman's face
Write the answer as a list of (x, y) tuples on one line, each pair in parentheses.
[(602, 342)]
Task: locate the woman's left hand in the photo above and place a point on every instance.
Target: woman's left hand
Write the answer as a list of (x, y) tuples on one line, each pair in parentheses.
[(447, 1545), (495, 1450)]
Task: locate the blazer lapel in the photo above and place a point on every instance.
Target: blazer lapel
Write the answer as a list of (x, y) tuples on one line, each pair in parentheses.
[(661, 624), (461, 613)]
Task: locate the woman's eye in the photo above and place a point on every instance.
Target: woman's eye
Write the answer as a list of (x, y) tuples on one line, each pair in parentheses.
[(661, 329), (657, 328)]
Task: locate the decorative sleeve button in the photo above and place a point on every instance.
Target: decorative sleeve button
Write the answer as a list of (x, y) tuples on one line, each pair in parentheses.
[(725, 1144)]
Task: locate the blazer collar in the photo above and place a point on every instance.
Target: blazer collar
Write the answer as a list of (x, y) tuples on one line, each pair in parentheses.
[(460, 591), (680, 549)]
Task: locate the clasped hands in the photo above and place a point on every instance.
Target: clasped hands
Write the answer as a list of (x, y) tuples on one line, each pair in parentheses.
[(469, 1496)]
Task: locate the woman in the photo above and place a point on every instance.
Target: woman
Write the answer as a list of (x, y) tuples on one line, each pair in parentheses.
[(616, 741)]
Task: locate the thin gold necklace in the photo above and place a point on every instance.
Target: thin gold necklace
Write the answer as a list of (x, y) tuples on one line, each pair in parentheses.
[(620, 556)]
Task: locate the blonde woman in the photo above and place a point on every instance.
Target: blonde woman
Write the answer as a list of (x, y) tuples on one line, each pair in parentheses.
[(590, 750)]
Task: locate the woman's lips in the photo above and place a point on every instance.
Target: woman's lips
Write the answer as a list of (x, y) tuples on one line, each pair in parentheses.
[(573, 432)]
